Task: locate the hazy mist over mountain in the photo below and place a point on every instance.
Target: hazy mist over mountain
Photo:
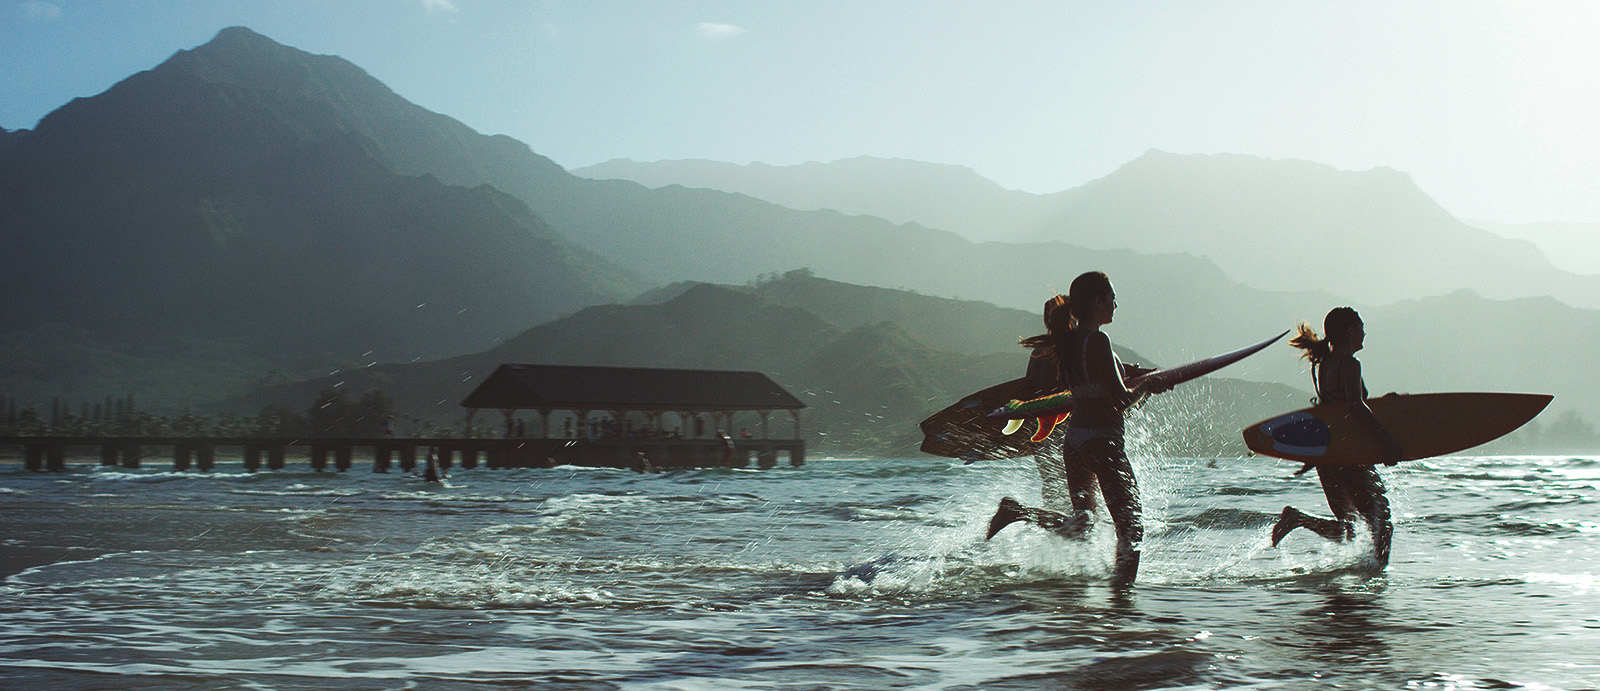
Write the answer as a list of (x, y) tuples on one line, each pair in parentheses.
[(946, 197), (1573, 247), (1366, 236)]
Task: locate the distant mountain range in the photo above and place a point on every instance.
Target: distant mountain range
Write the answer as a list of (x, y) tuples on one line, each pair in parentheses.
[(1570, 246), (247, 214), (946, 197), (1370, 237)]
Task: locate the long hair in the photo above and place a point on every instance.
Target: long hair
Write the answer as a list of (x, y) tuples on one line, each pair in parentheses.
[(1056, 321), (1061, 317), (1335, 325)]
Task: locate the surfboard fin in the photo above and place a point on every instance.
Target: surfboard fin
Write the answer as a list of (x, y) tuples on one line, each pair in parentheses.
[(1303, 469), (1047, 425), (1011, 426)]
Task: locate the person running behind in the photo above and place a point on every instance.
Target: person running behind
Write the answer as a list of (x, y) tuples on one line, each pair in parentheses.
[(1055, 488), (1353, 491), (1092, 447)]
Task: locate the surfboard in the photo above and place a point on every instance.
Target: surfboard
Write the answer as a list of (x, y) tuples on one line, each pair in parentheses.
[(1052, 409), (967, 430), (1425, 425), (964, 429)]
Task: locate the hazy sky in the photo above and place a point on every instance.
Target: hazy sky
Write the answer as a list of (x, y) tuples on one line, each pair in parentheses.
[(1490, 106)]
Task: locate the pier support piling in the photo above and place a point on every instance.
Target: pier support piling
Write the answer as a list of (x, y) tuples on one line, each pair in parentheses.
[(341, 457), (408, 458), (252, 458), (319, 458), (34, 455)]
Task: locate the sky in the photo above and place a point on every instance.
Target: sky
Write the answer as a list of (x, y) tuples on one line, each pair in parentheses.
[(1489, 106)]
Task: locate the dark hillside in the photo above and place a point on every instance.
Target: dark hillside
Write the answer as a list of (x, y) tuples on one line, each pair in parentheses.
[(225, 195), (865, 388)]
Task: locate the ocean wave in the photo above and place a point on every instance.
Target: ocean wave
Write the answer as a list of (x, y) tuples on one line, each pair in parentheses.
[(1228, 519), (300, 491), (1580, 582), (873, 512)]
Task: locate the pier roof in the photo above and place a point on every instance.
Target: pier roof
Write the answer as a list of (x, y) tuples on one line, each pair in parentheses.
[(569, 387)]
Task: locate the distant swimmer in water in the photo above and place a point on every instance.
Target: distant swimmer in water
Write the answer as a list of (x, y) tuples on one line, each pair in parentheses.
[(431, 472), (1092, 448), (1353, 491)]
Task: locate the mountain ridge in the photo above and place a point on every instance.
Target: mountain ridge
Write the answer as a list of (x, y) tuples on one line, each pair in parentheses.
[(1371, 236)]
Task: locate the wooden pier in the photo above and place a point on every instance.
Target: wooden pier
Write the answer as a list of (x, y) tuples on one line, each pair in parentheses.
[(272, 453), (609, 417)]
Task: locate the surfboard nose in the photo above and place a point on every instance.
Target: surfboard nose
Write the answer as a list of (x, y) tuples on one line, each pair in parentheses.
[(1298, 433)]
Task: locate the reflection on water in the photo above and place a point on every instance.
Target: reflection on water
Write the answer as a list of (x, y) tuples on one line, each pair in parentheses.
[(1350, 627), (858, 574)]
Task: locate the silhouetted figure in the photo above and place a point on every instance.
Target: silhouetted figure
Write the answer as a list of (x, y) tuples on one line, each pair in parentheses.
[(642, 464), (1057, 485), (1352, 491), (431, 472), (727, 449), (1092, 448)]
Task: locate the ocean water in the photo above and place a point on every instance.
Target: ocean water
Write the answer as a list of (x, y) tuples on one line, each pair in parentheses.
[(842, 574)]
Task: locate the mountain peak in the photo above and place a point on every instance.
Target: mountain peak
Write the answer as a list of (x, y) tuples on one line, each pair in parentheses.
[(240, 38), (239, 56)]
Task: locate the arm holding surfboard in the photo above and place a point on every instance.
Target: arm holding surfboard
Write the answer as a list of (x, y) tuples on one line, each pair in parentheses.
[(1355, 392), (1050, 410)]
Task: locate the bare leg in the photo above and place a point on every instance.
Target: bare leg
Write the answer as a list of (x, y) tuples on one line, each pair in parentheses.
[(1082, 483), (1354, 492), (1121, 492), (1081, 486), (1367, 500), (1055, 485), (1292, 518), (1011, 511)]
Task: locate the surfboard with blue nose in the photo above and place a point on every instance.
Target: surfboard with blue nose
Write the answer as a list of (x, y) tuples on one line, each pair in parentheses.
[(1425, 425)]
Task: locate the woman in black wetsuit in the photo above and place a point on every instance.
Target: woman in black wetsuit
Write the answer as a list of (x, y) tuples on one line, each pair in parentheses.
[(1352, 491), (1092, 449)]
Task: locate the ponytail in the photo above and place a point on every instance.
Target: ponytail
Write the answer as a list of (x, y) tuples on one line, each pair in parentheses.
[(1061, 317), (1056, 321), (1335, 325), (1316, 349)]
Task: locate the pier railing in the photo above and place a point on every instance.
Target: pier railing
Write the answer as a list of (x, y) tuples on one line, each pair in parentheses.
[(272, 453)]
